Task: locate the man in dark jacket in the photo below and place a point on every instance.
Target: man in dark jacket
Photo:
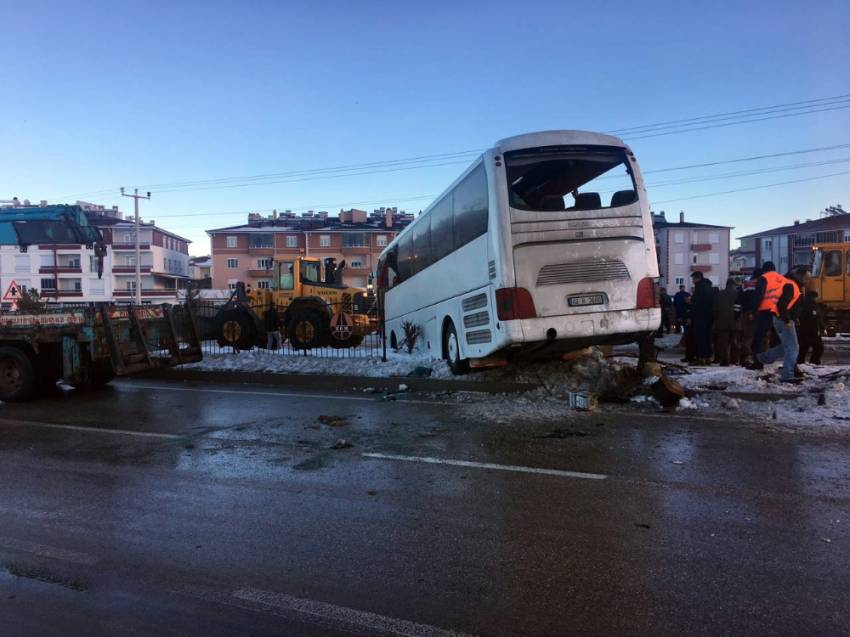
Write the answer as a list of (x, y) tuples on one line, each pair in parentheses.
[(726, 326), (666, 313), (272, 324), (810, 328), (702, 316), (680, 304), (763, 317)]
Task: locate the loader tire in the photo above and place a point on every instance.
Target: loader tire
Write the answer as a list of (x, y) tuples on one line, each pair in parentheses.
[(308, 328), (234, 328), (17, 377)]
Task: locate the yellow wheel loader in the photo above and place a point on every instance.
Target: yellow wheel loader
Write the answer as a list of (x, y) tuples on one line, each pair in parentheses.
[(315, 309)]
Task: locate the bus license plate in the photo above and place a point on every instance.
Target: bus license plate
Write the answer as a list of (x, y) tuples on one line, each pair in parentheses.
[(589, 299)]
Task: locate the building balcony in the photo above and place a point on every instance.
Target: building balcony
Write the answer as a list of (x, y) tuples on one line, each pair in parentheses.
[(60, 269), (130, 269), (69, 246), (700, 268), (146, 292), (55, 294), (700, 247), (267, 250), (130, 246)]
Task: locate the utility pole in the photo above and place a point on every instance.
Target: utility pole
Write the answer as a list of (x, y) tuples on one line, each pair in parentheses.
[(136, 196)]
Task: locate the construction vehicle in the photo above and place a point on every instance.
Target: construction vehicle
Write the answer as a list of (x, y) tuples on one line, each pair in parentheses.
[(315, 308), (85, 345), (831, 280)]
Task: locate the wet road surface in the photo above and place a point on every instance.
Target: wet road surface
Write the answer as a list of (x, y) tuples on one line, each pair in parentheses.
[(154, 508)]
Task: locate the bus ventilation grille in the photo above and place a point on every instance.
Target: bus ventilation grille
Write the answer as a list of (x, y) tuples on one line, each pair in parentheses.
[(582, 272)]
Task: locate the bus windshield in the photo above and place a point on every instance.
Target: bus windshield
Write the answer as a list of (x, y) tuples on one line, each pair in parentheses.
[(555, 178)]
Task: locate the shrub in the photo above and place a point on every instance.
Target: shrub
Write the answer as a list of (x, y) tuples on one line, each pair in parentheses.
[(412, 333)]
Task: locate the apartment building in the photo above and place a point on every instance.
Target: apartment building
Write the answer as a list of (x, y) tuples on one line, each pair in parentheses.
[(684, 247), (790, 246), (245, 253), (68, 273)]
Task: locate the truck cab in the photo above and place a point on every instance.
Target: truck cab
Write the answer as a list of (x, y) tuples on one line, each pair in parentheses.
[(831, 280)]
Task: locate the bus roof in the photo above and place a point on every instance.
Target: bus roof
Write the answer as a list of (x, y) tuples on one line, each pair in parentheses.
[(557, 138)]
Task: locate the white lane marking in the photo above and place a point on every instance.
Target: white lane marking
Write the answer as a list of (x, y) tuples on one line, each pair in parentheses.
[(489, 465), (281, 394), (93, 429), (342, 617), (48, 551)]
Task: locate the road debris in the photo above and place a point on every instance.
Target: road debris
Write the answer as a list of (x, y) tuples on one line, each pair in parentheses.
[(334, 421), (342, 443), (669, 393)]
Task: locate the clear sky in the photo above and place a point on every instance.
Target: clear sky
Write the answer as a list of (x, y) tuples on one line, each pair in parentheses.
[(97, 95)]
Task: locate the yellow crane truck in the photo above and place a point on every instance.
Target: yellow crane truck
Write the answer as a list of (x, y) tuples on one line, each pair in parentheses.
[(831, 280), (315, 308)]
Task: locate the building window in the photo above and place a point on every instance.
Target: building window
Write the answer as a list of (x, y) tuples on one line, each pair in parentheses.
[(264, 284), (46, 260), (291, 241), (263, 240), (679, 237), (131, 286), (264, 264), (767, 244), (324, 240), (355, 264), (679, 258), (355, 240), (680, 280), (232, 264), (714, 258), (231, 241), (695, 259), (381, 241), (48, 284), (78, 285), (22, 263), (714, 237), (231, 284)]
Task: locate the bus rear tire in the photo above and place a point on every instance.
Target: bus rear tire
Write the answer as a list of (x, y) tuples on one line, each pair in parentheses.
[(451, 351)]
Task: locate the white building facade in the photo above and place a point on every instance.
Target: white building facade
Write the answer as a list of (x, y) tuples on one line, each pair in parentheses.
[(686, 247)]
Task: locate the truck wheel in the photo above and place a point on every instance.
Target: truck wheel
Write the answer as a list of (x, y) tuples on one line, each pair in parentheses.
[(308, 329), (17, 378), (451, 349), (235, 328), (352, 341)]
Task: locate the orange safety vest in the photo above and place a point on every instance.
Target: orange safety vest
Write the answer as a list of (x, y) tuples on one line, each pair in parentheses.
[(773, 290)]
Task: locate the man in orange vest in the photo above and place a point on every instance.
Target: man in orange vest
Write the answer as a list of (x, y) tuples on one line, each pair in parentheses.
[(780, 298)]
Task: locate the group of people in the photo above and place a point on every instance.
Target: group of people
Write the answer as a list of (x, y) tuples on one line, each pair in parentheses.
[(768, 317)]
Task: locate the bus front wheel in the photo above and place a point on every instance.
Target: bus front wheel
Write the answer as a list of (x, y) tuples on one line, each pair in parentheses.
[(451, 351)]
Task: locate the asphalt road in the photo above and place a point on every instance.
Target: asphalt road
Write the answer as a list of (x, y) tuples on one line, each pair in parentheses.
[(189, 509)]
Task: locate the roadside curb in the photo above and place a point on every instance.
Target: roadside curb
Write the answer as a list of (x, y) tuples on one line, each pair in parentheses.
[(319, 381)]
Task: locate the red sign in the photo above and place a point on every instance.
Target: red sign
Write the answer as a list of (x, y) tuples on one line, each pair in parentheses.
[(341, 326), (13, 293)]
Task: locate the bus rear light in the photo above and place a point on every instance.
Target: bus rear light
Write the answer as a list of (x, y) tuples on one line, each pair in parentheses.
[(514, 303), (648, 294)]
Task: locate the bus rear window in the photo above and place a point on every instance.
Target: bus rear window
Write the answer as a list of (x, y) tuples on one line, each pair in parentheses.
[(555, 178)]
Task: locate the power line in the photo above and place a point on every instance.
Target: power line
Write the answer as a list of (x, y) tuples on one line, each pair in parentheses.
[(693, 120), (729, 192), (671, 127)]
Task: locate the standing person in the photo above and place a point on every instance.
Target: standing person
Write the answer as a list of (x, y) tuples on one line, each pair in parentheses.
[(272, 321), (666, 311), (780, 299), (726, 324), (747, 301), (680, 303), (702, 315), (764, 316), (810, 329)]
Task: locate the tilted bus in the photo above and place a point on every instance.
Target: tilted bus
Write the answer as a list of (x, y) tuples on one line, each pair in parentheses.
[(542, 246)]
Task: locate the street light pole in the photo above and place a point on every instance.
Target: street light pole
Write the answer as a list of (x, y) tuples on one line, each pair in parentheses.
[(136, 196)]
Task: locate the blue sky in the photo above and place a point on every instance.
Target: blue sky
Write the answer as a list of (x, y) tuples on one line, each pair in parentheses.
[(100, 95)]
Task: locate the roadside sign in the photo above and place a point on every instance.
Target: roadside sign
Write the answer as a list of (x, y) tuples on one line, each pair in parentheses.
[(341, 326), (13, 293)]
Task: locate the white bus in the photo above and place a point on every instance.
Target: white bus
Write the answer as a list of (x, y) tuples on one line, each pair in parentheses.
[(542, 246)]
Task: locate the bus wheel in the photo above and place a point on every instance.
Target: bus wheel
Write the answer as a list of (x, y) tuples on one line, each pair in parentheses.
[(17, 378), (451, 351)]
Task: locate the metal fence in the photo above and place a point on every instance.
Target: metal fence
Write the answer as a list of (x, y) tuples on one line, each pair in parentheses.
[(321, 330)]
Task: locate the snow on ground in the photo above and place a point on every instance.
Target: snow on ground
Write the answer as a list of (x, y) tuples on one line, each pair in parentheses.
[(262, 360)]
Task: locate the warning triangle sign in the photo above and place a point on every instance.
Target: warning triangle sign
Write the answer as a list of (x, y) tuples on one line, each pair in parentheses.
[(13, 293)]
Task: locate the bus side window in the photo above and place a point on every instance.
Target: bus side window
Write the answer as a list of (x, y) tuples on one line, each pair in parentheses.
[(848, 263), (833, 263), (405, 258)]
